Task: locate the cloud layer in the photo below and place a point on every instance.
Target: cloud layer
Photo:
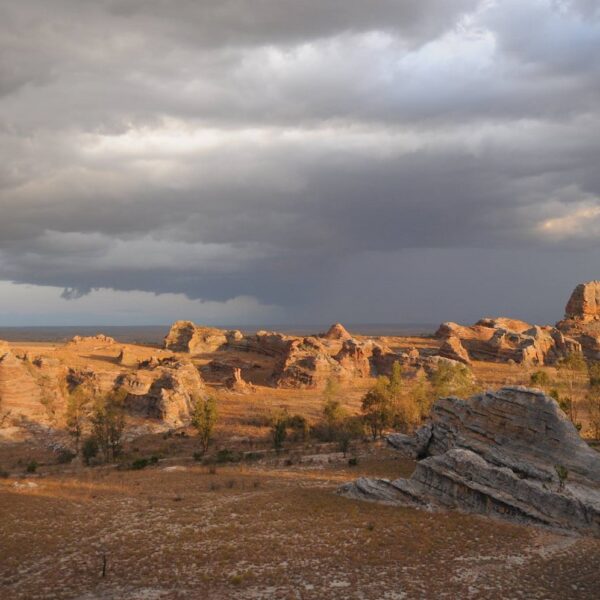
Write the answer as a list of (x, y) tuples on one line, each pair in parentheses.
[(267, 149)]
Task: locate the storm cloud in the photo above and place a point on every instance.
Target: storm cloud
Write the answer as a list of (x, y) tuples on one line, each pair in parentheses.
[(367, 161)]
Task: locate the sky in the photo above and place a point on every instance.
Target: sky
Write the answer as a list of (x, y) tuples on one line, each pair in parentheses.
[(274, 161)]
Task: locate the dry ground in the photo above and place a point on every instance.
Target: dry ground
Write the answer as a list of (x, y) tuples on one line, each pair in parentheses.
[(262, 529), (266, 531)]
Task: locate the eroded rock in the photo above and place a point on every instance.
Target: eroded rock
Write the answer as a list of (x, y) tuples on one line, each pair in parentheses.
[(185, 336), (498, 454)]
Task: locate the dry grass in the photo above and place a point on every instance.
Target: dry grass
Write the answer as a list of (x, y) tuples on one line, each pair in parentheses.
[(265, 531)]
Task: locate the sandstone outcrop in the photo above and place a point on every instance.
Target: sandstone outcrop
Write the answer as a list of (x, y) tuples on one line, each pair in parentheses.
[(165, 391), (162, 389), (492, 340), (453, 349), (582, 318), (186, 336), (511, 454), (127, 358), (311, 361), (584, 303), (97, 341), (235, 382), (337, 332)]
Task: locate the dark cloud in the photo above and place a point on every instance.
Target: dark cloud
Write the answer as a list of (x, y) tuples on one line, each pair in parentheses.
[(270, 148)]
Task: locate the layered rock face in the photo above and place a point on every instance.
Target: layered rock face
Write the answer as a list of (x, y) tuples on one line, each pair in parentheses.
[(185, 336), (165, 391), (498, 454), (584, 302), (501, 340), (582, 318), (309, 362)]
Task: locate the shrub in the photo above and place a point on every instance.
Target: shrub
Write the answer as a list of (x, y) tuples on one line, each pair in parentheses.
[(65, 456), (89, 449), (226, 455), (4, 474), (279, 424), (139, 464), (205, 419), (31, 466), (198, 456), (540, 379), (353, 462)]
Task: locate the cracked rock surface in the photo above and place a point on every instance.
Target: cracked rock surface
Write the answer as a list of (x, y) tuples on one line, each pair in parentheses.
[(498, 454)]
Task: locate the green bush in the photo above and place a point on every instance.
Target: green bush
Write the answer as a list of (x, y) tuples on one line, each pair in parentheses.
[(226, 455), (31, 466), (353, 462), (89, 449), (139, 464), (65, 457)]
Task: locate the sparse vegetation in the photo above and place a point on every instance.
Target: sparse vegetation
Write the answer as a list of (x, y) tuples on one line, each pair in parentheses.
[(108, 423), (452, 380), (204, 419)]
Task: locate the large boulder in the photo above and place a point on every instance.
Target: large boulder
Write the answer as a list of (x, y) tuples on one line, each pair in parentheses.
[(511, 453), (185, 336)]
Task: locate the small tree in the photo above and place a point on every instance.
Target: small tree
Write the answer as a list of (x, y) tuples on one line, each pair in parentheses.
[(89, 449), (204, 419), (563, 474), (540, 379), (333, 414), (108, 423), (77, 413), (279, 425), (396, 383), (593, 410), (571, 371), (378, 407), (452, 380), (300, 426)]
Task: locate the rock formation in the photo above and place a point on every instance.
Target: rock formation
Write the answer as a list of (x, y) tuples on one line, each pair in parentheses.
[(235, 382), (453, 349), (185, 336), (511, 453), (127, 358), (582, 318), (337, 332), (584, 303), (97, 341), (163, 389), (501, 340), (166, 391)]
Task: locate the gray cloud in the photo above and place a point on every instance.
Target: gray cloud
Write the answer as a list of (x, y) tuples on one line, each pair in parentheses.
[(270, 148)]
